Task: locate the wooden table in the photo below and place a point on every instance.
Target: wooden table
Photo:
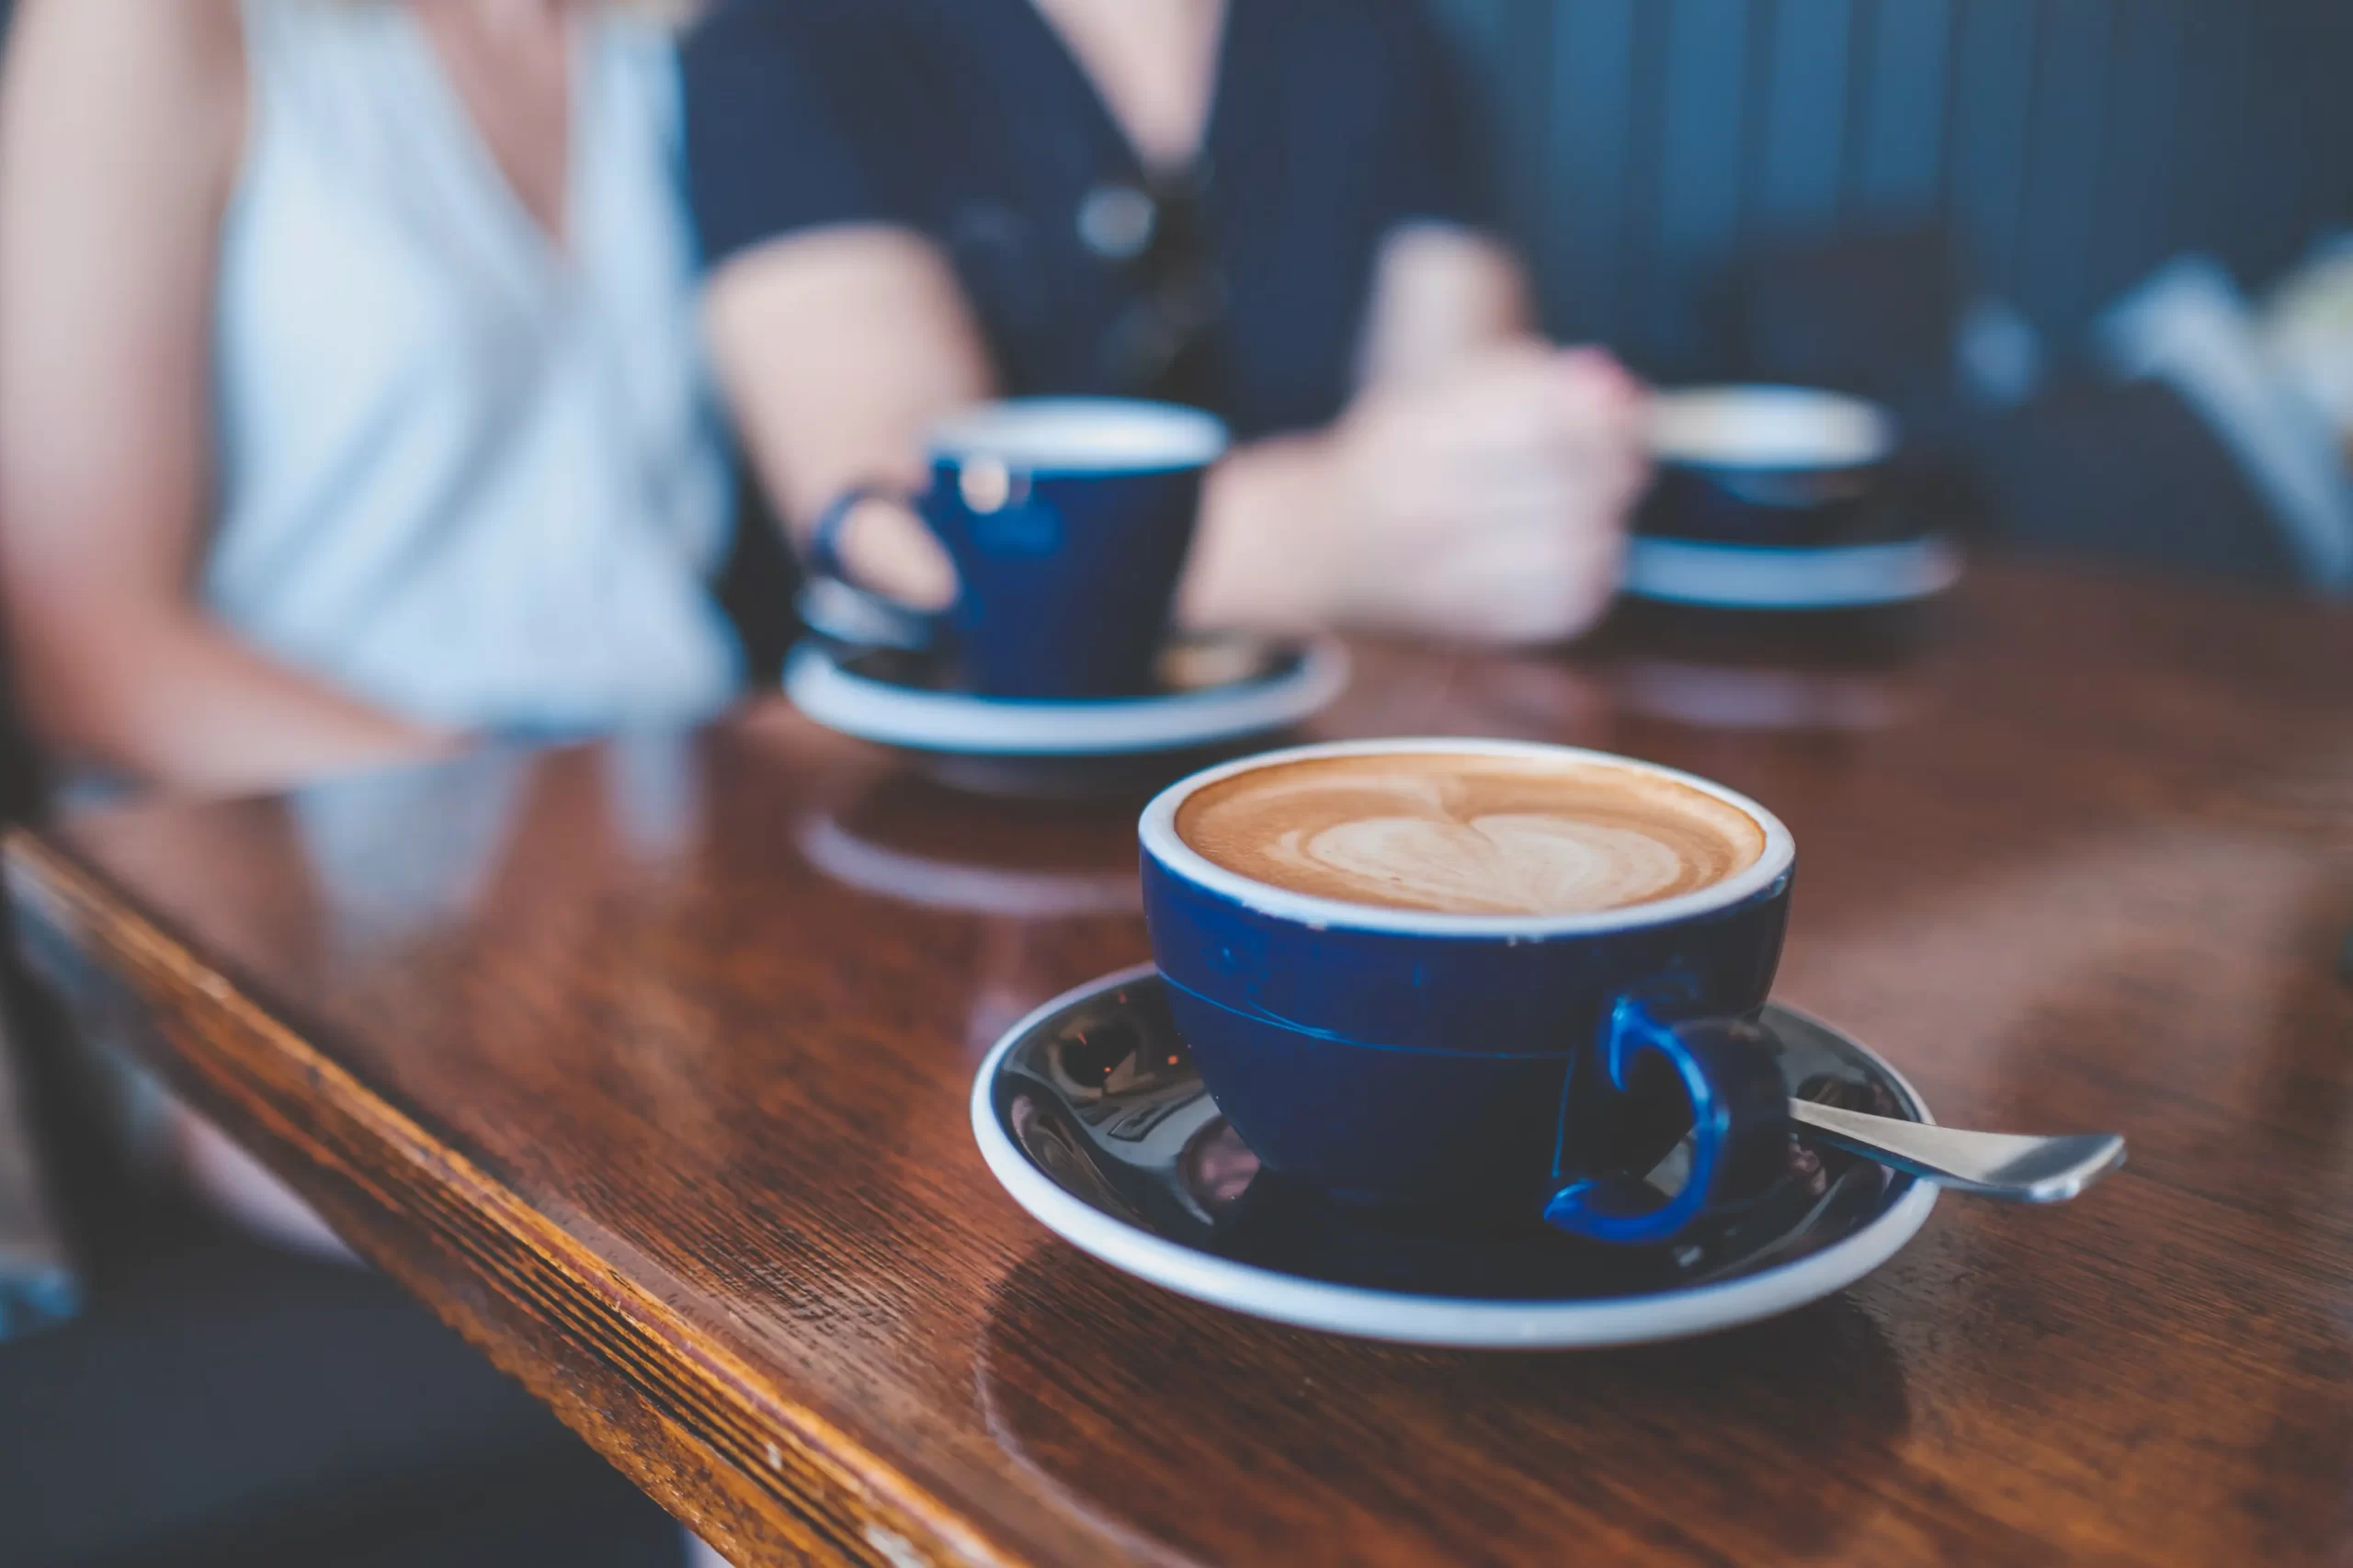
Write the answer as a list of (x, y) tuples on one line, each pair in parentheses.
[(645, 1065)]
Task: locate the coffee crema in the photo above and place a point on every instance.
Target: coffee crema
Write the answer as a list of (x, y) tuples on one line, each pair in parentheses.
[(1462, 832)]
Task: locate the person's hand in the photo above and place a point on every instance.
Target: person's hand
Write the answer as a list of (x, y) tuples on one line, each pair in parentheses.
[(887, 549), (1486, 503)]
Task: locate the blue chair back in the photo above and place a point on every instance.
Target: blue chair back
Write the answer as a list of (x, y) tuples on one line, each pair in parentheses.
[(2069, 145)]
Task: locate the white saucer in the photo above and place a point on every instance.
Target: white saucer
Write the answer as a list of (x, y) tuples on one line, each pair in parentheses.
[(1739, 576), (1130, 1161), (1297, 684)]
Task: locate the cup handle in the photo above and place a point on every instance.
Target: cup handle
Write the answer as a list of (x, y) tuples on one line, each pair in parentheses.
[(1740, 1126), (840, 608)]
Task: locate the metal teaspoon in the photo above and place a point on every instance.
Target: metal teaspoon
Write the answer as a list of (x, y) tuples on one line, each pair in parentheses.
[(2014, 1168)]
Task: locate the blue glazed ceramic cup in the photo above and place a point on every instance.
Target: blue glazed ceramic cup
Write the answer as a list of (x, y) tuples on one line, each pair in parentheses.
[(1068, 520), (1494, 1063), (1779, 498)]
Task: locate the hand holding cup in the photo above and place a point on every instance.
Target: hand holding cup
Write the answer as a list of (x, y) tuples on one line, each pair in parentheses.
[(1488, 502)]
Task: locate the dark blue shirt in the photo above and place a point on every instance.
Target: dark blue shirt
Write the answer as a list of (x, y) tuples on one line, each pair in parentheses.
[(1239, 284)]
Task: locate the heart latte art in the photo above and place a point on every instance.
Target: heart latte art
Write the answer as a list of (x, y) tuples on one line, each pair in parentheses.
[(1463, 834)]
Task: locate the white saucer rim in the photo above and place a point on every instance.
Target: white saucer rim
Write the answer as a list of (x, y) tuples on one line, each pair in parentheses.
[(1726, 576), (1365, 1313), (947, 722)]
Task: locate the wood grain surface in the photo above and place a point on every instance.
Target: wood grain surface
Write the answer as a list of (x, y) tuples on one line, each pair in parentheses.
[(644, 1064)]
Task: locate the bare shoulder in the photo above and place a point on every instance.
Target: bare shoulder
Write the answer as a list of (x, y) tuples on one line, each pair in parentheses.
[(187, 39), (166, 77)]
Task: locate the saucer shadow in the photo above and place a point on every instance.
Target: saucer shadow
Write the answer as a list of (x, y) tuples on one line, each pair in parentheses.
[(1023, 870), (1190, 1435), (904, 824), (1119, 780)]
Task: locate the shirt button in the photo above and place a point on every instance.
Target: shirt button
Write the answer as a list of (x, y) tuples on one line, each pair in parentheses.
[(1115, 222)]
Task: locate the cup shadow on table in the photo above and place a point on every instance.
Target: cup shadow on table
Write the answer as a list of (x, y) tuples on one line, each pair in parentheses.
[(1178, 1429), (1086, 781), (1022, 870), (902, 835)]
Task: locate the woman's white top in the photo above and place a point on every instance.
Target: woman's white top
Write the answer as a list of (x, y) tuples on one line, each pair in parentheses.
[(466, 472)]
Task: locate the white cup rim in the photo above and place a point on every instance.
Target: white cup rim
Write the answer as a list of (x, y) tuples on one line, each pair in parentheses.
[(1762, 427), (1080, 435), (1157, 832)]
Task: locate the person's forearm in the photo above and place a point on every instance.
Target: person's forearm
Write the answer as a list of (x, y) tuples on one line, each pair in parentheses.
[(1262, 558), (1484, 503), (186, 706)]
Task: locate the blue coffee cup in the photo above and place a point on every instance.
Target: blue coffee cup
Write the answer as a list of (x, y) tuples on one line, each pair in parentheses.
[(1496, 1065), (1068, 521), (1772, 498)]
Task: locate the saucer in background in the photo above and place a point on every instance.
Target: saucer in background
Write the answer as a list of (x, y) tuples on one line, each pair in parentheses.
[(1780, 499), (1090, 1114), (1215, 689)]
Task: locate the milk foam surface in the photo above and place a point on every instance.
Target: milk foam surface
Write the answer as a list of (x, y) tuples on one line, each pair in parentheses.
[(1463, 834)]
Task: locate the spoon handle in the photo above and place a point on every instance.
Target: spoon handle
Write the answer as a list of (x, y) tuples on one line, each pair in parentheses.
[(1992, 1165)]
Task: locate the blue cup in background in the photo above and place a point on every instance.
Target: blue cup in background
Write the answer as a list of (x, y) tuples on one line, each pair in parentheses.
[(1068, 521), (1770, 497), (1483, 1065)]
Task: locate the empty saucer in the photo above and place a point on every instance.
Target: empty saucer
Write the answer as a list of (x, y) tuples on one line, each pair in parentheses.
[(1215, 689), (1091, 1115)]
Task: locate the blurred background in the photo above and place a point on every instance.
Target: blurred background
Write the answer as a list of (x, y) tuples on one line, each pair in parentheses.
[(2096, 255), (1949, 204), (2061, 149)]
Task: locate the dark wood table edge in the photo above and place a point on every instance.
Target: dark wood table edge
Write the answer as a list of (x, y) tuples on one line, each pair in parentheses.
[(802, 1485)]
